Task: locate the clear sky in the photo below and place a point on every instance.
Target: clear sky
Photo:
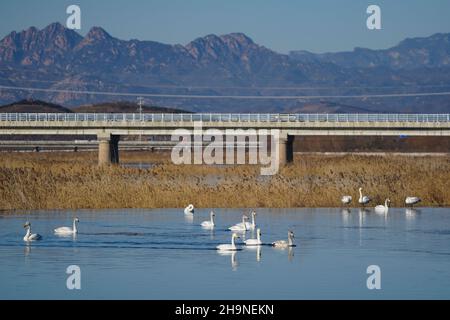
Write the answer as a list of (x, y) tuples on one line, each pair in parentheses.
[(282, 25)]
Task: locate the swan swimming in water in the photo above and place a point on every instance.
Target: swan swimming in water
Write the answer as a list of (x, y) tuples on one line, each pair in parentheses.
[(284, 243), (411, 201), (363, 199), (346, 200), (209, 223), (189, 209), (383, 208), (29, 236), (254, 242), (229, 247), (68, 230), (240, 226)]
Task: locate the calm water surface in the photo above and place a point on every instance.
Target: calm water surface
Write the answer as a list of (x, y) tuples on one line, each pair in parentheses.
[(159, 254)]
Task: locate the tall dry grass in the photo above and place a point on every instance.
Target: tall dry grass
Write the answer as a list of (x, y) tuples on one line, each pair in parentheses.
[(73, 180)]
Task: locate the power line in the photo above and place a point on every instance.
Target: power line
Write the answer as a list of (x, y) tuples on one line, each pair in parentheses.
[(237, 97), (156, 86)]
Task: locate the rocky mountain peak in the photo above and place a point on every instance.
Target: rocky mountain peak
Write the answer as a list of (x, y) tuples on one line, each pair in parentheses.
[(97, 34), (213, 46), (237, 38)]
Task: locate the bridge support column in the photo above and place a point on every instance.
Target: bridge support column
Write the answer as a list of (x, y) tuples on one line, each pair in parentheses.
[(108, 149), (285, 149)]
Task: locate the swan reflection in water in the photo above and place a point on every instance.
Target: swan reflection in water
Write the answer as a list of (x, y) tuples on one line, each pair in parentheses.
[(411, 213), (361, 215), (27, 250), (345, 215), (189, 218), (232, 254), (290, 254), (72, 236), (212, 234), (257, 249)]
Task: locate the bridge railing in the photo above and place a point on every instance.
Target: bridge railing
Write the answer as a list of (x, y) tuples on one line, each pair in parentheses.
[(222, 117)]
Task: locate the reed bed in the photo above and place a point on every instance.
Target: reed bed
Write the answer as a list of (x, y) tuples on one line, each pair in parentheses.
[(74, 181)]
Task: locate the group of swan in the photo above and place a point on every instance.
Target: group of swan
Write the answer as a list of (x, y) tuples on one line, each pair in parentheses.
[(346, 200), (363, 200), (282, 244), (245, 225), (240, 227), (59, 231)]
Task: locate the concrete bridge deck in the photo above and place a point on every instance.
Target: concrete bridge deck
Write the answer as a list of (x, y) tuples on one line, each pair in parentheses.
[(108, 127)]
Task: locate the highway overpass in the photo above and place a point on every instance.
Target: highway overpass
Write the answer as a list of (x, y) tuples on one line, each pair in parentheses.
[(110, 127)]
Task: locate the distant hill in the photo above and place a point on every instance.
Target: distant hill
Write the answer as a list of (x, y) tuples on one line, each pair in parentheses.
[(38, 106), (123, 107), (326, 107), (33, 106), (411, 53)]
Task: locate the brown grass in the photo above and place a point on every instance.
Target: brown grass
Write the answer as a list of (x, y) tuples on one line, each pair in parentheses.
[(73, 180)]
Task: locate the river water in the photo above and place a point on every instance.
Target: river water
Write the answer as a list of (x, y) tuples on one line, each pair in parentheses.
[(161, 254)]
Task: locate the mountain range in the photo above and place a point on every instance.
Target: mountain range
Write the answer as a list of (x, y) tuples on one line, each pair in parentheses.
[(62, 61)]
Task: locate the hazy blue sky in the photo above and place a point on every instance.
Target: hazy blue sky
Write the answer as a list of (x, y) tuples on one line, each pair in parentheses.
[(282, 25)]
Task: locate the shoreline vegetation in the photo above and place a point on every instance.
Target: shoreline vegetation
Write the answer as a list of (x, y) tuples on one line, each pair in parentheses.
[(67, 180)]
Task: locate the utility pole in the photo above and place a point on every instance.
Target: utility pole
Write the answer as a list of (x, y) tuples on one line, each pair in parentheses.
[(140, 102)]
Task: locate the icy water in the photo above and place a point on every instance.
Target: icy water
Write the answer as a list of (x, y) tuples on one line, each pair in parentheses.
[(159, 254)]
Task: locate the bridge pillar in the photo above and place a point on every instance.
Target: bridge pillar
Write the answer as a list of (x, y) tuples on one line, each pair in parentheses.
[(108, 149), (285, 149)]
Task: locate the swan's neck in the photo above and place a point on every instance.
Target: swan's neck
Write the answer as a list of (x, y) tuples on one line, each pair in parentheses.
[(290, 241), (253, 220), (244, 224), (28, 232), (386, 204), (74, 226), (232, 242), (360, 194), (212, 219), (258, 236)]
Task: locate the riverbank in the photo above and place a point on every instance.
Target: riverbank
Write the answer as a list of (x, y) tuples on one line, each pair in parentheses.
[(73, 181)]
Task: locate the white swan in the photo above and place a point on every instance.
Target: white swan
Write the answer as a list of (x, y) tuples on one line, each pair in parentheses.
[(363, 199), (189, 209), (29, 236), (383, 208), (249, 225), (229, 247), (285, 244), (346, 200), (240, 226), (254, 242), (411, 201), (68, 230), (209, 223)]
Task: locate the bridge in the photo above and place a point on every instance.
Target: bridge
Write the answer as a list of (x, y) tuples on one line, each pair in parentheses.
[(109, 127)]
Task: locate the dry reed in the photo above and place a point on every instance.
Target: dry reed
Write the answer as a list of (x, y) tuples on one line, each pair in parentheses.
[(73, 181)]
